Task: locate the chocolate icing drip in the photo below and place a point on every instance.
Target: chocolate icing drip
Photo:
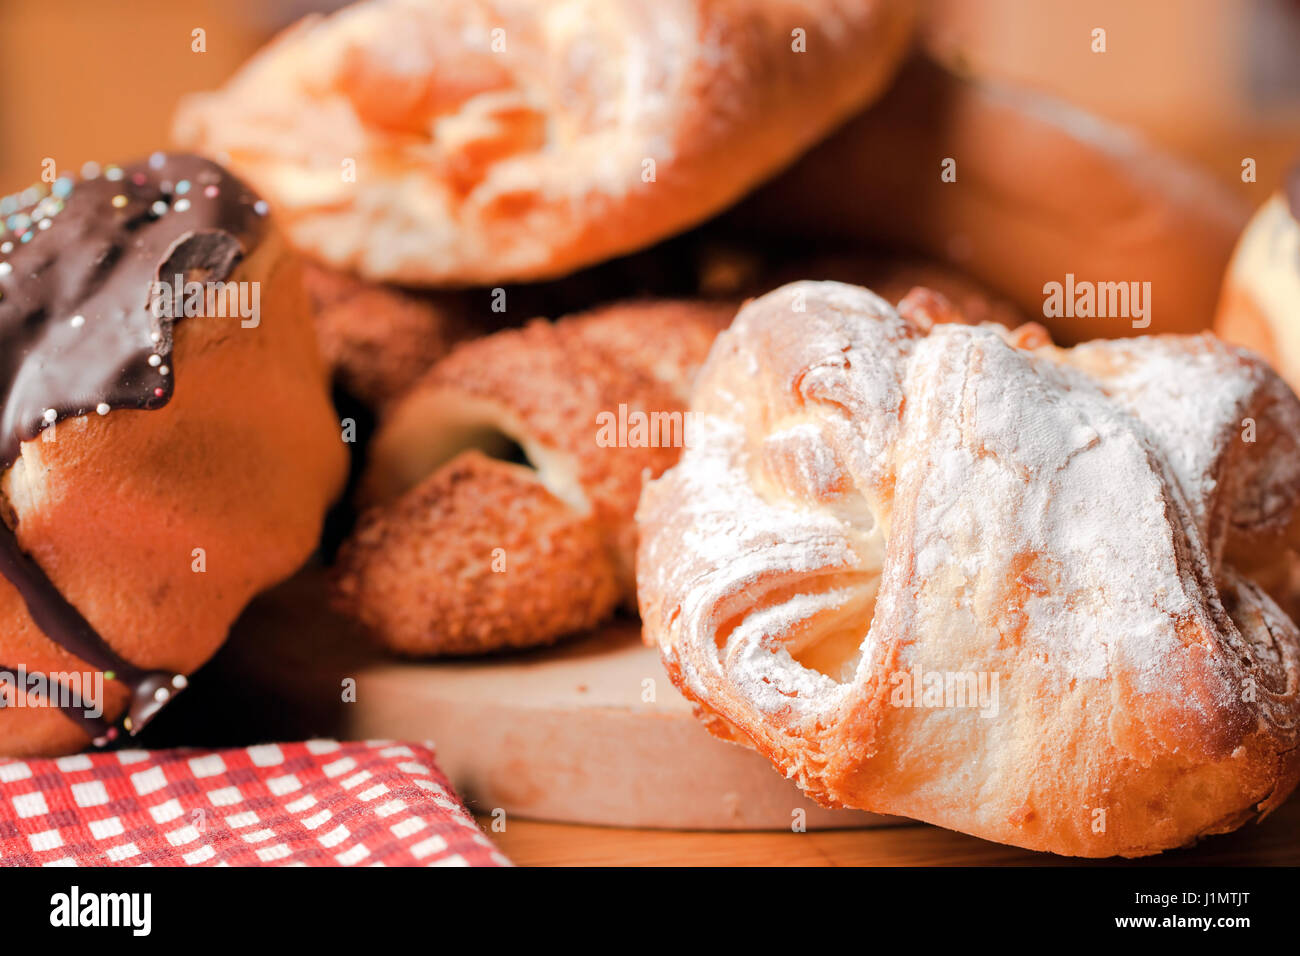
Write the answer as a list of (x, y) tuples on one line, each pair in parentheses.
[(78, 336), (1292, 188), (100, 731), (65, 625)]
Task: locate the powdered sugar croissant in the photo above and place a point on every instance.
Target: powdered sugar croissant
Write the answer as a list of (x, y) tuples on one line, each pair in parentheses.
[(470, 142), (1011, 591)]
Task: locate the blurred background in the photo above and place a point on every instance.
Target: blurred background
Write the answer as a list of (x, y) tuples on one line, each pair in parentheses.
[(1215, 80)]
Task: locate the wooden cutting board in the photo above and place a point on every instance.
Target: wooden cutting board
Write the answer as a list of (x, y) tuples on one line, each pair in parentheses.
[(591, 731)]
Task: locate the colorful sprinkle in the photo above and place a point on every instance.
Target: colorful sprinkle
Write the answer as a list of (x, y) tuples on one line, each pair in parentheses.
[(261, 208), (182, 205), (51, 415), (182, 187), (163, 370), (156, 160), (77, 321), (113, 173), (5, 268), (179, 681), (158, 392), (49, 206), (211, 192), (155, 360), (62, 187), (119, 201), (90, 170), (103, 408), (159, 207)]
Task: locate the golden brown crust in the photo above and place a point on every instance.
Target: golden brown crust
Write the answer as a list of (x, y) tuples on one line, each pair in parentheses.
[(488, 144), (376, 339), (478, 557), (559, 391), (1259, 307), (1085, 531), (241, 463)]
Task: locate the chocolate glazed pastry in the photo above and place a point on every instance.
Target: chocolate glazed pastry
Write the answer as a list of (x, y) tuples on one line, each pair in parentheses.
[(107, 545)]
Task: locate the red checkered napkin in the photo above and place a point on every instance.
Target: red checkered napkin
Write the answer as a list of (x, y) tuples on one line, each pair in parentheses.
[(319, 803)]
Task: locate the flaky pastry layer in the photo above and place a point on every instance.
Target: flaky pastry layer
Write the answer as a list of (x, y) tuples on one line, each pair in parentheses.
[(962, 575)]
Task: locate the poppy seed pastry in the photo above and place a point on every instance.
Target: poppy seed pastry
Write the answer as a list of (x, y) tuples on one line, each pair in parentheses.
[(167, 443), (1007, 590), (471, 142)]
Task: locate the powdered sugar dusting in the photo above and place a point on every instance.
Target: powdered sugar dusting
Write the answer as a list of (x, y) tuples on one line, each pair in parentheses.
[(1048, 507)]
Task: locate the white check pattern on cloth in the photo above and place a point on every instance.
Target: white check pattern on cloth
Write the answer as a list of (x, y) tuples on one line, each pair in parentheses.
[(318, 802)]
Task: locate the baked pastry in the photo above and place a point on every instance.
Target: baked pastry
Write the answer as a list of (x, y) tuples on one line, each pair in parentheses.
[(378, 339), (523, 453), (476, 142), (166, 439), (1043, 193), (1007, 590), (502, 486), (892, 277), (1260, 303)]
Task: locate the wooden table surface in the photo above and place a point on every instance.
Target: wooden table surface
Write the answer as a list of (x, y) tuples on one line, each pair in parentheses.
[(1275, 841), (201, 717)]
